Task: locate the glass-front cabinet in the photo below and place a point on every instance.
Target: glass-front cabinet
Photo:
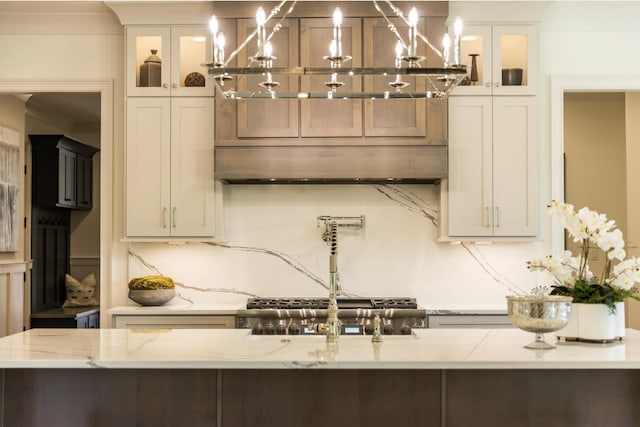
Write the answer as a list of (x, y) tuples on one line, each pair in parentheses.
[(167, 61), (500, 60)]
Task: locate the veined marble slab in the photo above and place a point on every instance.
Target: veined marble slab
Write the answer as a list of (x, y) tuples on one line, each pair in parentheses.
[(236, 349), (177, 310)]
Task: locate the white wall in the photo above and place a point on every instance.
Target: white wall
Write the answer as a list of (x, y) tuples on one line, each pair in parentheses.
[(67, 47)]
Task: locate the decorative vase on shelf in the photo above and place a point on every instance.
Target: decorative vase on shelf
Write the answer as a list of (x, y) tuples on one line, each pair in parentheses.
[(473, 76), (594, 322), (151, 71)]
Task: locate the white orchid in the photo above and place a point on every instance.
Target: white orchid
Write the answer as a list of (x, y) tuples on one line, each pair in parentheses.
[(590, 228), (626, 273), (565, 267)]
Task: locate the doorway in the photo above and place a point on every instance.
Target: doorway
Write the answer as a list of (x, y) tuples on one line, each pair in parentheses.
[(104, 202), (595, 160), (605, 182)]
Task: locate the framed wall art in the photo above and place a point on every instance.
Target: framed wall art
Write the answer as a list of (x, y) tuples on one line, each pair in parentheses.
[(9, 188)]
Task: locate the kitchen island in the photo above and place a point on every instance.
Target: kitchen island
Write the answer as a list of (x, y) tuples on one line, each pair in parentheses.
[(442, 377)]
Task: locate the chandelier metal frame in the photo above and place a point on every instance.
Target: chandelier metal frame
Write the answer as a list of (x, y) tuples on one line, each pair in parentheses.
[(441, 80)]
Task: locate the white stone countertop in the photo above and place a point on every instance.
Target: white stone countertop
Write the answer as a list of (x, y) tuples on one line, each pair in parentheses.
[(176, 310), (236, 349)]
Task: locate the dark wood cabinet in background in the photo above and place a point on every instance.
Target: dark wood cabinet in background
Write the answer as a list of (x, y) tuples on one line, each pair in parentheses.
[(62, 172), (50, 245)]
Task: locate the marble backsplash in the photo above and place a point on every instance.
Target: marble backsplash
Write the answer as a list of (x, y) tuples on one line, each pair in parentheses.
[(272, 246)]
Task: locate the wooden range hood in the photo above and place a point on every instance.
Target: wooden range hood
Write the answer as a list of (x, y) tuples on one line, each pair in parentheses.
[(293, 141), (416, 163)]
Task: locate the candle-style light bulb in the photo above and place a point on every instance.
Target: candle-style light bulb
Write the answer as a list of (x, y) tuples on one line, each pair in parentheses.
[(398, 54), (260, 16), (260, 21), (220, 42), (332, 49), (268, 60), (337, 17), (457, 29), (446, 45), (213, 28), (213, 25), (337, 32), (413, 30), (413, 17)]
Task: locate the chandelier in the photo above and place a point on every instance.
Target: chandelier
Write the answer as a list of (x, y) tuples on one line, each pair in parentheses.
[(440, 80)]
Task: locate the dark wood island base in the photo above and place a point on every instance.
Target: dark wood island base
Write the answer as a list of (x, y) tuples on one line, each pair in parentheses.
[(319, 397)]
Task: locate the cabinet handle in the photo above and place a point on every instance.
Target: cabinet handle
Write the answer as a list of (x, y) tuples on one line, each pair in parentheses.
[(498, 84), (497, 216), (165, 86), (173, 217), (487, 215), (174, 85), (164, 217), (487, 84)]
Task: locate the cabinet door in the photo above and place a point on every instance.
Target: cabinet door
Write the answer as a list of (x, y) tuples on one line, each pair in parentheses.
[(497, 48), (180, 50), (155, 80), (268, 117), (397, 117), (84, 182), (515, 47), (190, 48), (470, 166), (148, 166), (335, 117), (476, 42), (192, 186), (67, 167), (50, 245), (515, 166)]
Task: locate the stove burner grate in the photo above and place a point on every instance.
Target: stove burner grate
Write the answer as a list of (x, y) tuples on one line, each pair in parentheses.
[(323, 303)]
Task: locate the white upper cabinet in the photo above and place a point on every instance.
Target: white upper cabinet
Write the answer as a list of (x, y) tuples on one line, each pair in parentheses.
[(167, 61), (169, 167), (506, 60), (493, 167)]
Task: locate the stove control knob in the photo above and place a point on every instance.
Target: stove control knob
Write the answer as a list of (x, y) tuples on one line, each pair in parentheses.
[(405, 329), (270, 329), (388, 329), (280, 329), (368, 329), (294, 330), (258, 329)]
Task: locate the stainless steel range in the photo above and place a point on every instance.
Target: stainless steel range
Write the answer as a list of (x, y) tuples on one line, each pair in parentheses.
[(292, 316)]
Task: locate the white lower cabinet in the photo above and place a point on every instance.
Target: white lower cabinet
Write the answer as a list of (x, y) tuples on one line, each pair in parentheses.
[(173, 322), (169, 167), (493, 167)]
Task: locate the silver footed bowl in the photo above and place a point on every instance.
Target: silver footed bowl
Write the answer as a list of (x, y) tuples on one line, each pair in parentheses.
[(539, 314)]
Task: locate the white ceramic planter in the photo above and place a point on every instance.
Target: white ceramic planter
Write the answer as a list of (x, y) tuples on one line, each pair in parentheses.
[(593, 322)]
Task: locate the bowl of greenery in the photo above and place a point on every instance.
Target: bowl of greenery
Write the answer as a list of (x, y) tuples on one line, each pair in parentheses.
[(152, 290)]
